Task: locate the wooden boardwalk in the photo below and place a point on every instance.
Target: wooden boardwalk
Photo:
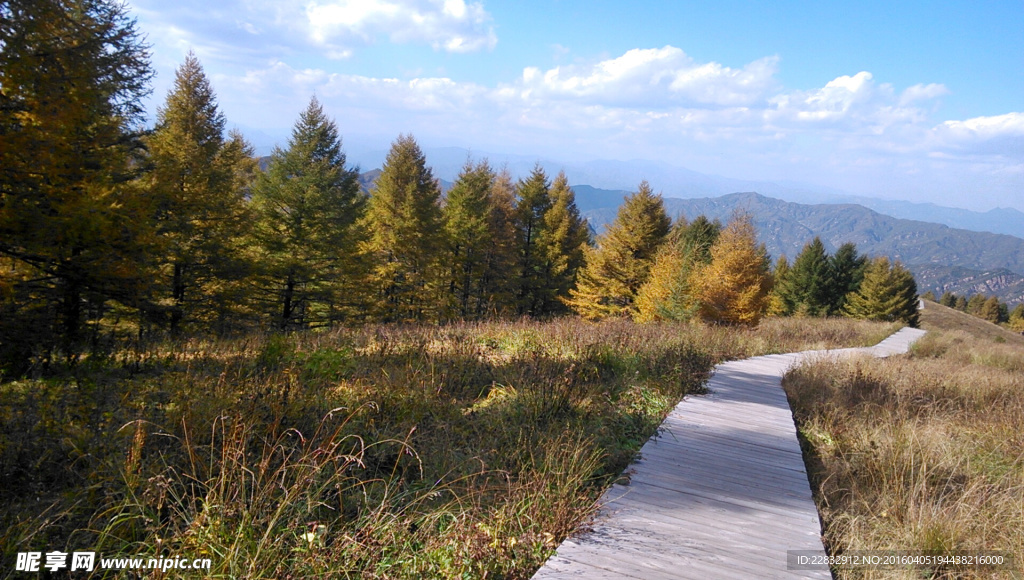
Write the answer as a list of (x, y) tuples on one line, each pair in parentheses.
[(721, 493)]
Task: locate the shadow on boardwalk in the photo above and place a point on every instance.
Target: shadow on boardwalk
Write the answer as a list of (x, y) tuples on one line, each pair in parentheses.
[(721, 493)]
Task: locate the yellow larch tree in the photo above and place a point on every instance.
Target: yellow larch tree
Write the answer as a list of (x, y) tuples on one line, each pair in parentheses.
[(734, 287)]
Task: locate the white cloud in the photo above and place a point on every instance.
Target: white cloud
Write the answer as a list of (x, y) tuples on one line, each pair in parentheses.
[(1000, 135), (450, 25), (1008, 125), (921, 92), (334, 27), (654, 77), (660, 104)]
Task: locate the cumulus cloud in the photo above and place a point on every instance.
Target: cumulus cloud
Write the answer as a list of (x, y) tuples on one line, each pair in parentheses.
[(1008, 125), (1001, 135), (661, 104), (655, 77), (450, 25), (334, 27), (921, 92)]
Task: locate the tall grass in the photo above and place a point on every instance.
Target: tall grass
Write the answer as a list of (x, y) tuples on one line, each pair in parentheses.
[(464, 451), (921, 453)]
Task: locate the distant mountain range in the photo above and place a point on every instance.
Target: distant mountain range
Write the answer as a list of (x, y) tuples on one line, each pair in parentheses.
[(680, 182), (942, 258)]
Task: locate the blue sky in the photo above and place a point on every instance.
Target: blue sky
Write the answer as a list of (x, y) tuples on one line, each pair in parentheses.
[(905, 100)]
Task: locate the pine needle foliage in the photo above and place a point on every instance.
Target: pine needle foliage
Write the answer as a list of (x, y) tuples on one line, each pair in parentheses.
[(533, 202), (621, 262), (497, 286), (805, 289), (198, 182), (467, 226), (845, 273), (888, 293), (777, 305), (308, 205), (734, 288), (405, 243), (73, 224), (669, 293), (564, 238)]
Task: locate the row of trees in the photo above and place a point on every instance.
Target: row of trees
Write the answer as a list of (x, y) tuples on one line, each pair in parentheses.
[(110, 230), (646, 268), (989, 308)]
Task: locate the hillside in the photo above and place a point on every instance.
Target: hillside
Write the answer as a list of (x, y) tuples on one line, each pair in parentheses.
[(935, 316), (942, 258)]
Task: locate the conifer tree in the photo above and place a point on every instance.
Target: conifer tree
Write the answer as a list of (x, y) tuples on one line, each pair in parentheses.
[(533, 202), (620, 264), (670, 291), (777, 305), (961, 304), (806, 287), (497, 291), (975, 303), (702, 234), (733, 288), (948, 300), (563, 239), (1016, 318), (991, 311), (72, 223), (467, 223), (198, 185), (308, 204), (845, 272), (887, 293), (405, 243)]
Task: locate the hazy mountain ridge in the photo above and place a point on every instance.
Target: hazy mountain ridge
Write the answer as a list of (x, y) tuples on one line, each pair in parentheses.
[(680, 182), (942, 258)]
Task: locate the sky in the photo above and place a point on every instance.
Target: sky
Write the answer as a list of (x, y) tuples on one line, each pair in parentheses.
[(912, 100)]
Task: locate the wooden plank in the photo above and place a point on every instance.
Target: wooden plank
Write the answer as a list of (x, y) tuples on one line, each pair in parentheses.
[(721, 492)]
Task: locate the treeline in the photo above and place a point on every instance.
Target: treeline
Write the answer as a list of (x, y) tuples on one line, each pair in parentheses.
[(180, 233), (649, 269), (989, 308), (112, 233)]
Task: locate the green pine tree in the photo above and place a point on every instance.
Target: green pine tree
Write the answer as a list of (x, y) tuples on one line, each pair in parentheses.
[(806, 287), (888, 293), (406, 241), (948, 300), (308, 205), (497, 292), (975, 304), (564, 238), (621, 263), (533, 202), (991, 310), (467, 224), (845, 272), (198, 182)]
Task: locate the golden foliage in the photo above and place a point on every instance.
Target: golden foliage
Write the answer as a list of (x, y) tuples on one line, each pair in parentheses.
[(734, 288)]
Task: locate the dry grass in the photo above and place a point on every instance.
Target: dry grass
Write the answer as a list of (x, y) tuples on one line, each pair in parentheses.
[(465, 451), (923, 452)]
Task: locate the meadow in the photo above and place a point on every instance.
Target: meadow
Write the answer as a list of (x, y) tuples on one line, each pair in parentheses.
[(921, 453), (459, 451)]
